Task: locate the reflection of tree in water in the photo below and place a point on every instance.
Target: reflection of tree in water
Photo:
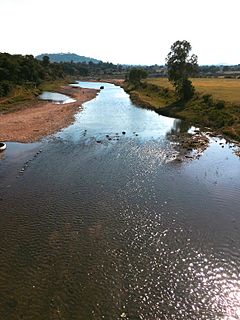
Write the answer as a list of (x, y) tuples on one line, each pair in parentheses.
[(187, 145), (178, 127)]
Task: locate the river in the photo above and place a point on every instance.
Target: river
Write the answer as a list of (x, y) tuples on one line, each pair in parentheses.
[(55, 97), (99, 221)]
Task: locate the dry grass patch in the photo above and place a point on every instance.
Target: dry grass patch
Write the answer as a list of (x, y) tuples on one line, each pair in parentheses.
[(220, 89)]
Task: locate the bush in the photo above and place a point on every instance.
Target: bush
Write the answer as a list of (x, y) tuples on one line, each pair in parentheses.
[(207, 98), (136, 75), (165, 92), (219, 104), (5, 88), (220, 118)]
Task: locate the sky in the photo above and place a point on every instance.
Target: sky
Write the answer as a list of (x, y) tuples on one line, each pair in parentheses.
[(122, 31)]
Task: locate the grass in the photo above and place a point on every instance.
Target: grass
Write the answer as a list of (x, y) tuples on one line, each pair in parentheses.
[(19, 97), (221, 89), (216, 103), (23, 97), (53, 85)]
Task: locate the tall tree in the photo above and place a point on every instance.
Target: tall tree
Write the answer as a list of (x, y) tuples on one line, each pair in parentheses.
[(181, 66)]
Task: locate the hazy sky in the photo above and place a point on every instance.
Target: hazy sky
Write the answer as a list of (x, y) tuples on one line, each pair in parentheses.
[(122, 31)]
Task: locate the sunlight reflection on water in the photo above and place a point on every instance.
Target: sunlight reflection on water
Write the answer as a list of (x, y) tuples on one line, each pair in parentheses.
[(112, 228)]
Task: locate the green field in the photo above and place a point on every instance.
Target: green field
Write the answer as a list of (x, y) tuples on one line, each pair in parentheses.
[(220, 89)]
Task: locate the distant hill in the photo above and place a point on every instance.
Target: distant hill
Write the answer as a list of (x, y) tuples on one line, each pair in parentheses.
[(67, 57)]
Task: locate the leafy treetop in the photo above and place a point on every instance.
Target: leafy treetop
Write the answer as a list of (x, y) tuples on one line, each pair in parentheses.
[(180, 67)]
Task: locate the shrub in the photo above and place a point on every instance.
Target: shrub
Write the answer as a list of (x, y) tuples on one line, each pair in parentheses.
[(220, 118), (219, 104), (207, 98), (136, 75), (5, 88), (164, 92)]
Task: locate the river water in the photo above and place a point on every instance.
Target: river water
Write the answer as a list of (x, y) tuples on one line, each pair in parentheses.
[(55, 97), (98, 222)]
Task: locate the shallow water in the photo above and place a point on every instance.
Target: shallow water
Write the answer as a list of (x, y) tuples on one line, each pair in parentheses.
[(113, 229), (57, 98)]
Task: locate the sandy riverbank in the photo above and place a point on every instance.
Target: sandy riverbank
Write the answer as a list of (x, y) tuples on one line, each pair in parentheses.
[(43, 118)]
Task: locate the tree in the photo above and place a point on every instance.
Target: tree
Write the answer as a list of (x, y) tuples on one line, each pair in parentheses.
[(45, 61), (181, 66), (136, 75)]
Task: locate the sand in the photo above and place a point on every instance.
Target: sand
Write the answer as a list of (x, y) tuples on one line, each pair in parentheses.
[(43, 118)]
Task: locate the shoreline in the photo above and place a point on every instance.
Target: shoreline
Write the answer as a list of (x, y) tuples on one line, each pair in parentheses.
[(172, 108), (196, 142), (42, 118)]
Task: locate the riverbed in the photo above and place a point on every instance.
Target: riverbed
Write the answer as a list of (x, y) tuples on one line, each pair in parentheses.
[(100, 222)]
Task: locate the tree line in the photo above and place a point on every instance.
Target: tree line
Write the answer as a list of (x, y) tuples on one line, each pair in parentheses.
[(19, 70), (180, 67), (29, 71)]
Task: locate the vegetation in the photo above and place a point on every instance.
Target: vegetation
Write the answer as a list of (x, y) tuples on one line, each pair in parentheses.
[(209, 107), (136, 75), (231, 72), (216, 102), (180, 67), (18, 70), (220, 89), (212, 105), (67, 57), (23, 77)]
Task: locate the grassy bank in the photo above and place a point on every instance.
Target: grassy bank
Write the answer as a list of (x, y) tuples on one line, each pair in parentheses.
[(18, 97), (221, 89), (55, 85), (216, 103), (22, 97)]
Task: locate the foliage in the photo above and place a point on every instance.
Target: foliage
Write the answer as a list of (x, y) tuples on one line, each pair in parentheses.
[(216, 88), (5, 88), (220, 104), (180, 67), (45, 61), (136, 75), (67, 57), (220, 111), (207, 98), (26, 71)]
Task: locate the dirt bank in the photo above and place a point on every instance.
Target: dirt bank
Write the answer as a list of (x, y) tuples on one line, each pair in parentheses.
[(43, 118)]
